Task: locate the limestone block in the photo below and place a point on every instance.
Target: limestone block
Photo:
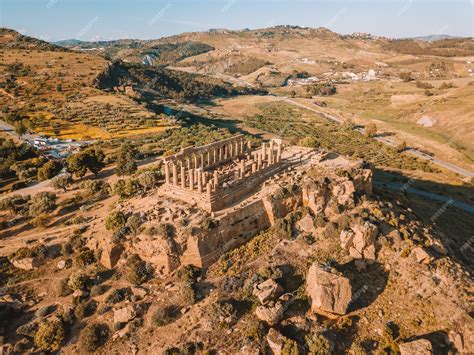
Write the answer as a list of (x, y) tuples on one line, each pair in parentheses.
[(268, 290), (27, 263), (417, 347), (329, 292)]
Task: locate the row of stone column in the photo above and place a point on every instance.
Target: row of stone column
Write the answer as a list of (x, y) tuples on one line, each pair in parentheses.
[(191, 179), (214, 155)]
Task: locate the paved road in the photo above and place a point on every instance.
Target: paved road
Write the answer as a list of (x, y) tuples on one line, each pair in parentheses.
[(429, 195), (387, 141)]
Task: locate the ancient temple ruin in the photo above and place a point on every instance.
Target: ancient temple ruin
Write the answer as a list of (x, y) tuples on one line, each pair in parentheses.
[(219, 174)]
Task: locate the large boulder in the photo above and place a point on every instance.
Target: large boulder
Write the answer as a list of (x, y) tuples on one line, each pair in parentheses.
[(306, 224), (344, 193), (360, 240), (27, 263), (416, 347), (272, 314), (329, 292), (268, 290), (275, 341), (421, 255), (125, 314), (110, 255)]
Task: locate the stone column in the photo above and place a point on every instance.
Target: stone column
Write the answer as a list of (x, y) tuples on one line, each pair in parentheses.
[(175, 173), (208, 187), (249, 150), (221, 152), (242, 169), (188, 164), (216, 180), (264, 151), (183, 177), (191, 179), (195, 161), (254, 168), (259, 160), (204, 178), (214, 153), (199, 181), (278, 159), (242, 147), (201, 160), (167, 173)]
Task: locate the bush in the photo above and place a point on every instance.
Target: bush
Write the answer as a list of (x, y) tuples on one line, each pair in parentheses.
[(318, 345), (118, 295), (85, 257), (62, 288), (188, 294), (134, 222), (308, 142), (94, 336), (77, 281), (85, 309), (49, 170), (290, 348), (115, 220), (97, 290), (188, 273), (423, 85), (61, 182), (164, 315), (42, 203), (50, 335), (139, 271)]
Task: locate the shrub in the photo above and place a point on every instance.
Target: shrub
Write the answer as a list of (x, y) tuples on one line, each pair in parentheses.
[(42, 203), (118, 295), (188, 273), (97, 290), (115, 220), (139, 271), (309, 142), (318, 345), (94, 336), (50, 335), (15, 204), (148, 179), (85, 257), (77, 281), (188, 294), (85, 309), (61, 182), (134, 222), (164, 315), (290, 347), (49, 170), (62, 288), (423, 85)]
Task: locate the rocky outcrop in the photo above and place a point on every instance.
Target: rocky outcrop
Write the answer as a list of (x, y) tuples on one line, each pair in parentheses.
[(306, 224), (271, 313), (360, 240), (421, 255), (416, 347), (27, 263), (275, 341), (268, 290), (125, 314), (328, 291)]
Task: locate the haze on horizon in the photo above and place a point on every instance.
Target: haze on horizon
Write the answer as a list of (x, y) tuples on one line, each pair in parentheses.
[(54, 20)]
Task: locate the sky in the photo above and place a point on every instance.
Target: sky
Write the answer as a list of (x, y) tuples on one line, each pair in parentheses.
[(53, 20)]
